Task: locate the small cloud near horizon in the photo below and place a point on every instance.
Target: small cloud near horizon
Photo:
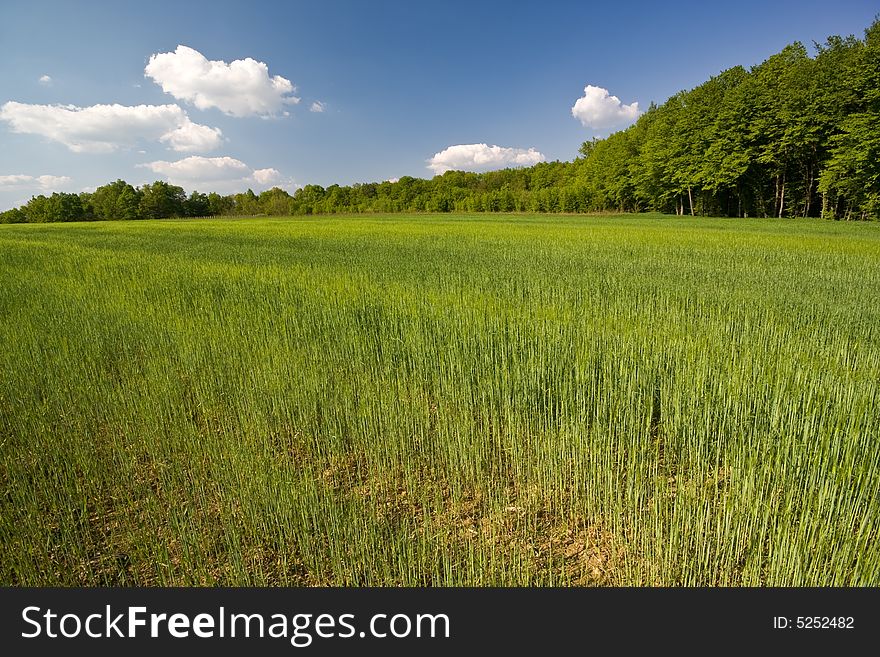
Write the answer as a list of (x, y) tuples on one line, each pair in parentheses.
[(44, 183), (218, 174), (482, 157)]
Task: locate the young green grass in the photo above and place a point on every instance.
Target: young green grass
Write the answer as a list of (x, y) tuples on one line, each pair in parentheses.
[(440, 400)]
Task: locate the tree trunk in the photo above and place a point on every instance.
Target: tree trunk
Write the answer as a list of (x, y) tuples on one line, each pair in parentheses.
[(776, 195), (691, 200), (809, 192), (782, 198)]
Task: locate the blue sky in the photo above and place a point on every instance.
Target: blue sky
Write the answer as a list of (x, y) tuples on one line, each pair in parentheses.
[(397, 82)]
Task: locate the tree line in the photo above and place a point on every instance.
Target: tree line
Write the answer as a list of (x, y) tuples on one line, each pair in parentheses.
[(796, 135), (793, 136), (119, 200)]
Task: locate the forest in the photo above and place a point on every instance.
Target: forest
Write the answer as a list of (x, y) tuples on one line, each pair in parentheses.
[(795, 136)]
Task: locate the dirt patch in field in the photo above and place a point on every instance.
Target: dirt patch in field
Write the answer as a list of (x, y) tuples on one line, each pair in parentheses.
[(515, 524)]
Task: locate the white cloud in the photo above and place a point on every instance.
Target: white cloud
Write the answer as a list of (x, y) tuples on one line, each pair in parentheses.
[(317, 106), (198, 168), (106, 128), (598, 110), (241, 88), (45, 80), (480, 157), (266, 177), (193, 137), (44, 183), (217, 174)]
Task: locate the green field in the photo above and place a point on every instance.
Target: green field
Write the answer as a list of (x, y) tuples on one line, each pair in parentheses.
[(440, 400)]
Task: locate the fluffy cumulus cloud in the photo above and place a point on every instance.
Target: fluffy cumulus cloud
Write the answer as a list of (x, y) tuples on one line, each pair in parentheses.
[(317, 106), (480, 157), (266, 177), (240, 88), (192, 137), (599, 110), (217, 174), (201, 168), (45, 80), (44, 183), (106, 128)]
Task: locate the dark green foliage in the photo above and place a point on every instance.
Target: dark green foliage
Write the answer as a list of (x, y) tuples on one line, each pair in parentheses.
[(161, 200), (13, 216), (218, 205), (118, 200), (795, 136), (851, 179), (58, 207), (197, 205)]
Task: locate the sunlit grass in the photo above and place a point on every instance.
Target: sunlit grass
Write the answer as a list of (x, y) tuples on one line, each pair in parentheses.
[(440, 400)]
